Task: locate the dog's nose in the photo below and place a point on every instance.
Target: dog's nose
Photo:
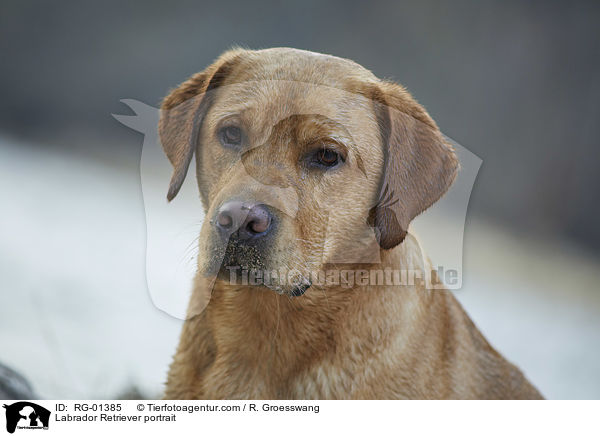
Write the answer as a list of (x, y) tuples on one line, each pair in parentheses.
[(249, 220)]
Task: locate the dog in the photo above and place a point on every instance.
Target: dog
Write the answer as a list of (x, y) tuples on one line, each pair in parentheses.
[(308, 162)]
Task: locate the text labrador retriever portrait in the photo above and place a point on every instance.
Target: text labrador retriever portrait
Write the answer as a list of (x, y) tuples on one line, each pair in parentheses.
[(308, 162)]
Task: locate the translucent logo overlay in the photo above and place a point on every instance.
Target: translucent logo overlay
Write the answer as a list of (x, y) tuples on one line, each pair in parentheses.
[(179, 234)]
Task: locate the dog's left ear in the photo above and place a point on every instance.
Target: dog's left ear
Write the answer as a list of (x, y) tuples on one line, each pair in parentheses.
[(182, 113), (419, 165)]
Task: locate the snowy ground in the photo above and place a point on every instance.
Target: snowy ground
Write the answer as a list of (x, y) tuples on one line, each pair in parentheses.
[(76, 317)]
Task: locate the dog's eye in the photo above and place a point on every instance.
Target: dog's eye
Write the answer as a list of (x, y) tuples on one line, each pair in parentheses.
[(230, 136), (326, 157)]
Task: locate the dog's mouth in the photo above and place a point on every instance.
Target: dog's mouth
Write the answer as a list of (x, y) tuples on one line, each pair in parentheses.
[(294, 290), (300, 289), (280, 280), (250, 266)]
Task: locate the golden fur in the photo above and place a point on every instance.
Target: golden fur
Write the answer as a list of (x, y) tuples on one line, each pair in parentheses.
[(367, 342)]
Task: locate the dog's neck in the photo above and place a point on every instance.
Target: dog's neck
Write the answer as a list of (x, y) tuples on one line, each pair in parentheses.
[(276, 334)]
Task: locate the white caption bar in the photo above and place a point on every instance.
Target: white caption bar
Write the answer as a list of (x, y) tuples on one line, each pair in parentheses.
[(299, 417)]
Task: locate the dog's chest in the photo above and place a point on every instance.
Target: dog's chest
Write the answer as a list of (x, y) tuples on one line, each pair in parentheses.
[(321, 381)]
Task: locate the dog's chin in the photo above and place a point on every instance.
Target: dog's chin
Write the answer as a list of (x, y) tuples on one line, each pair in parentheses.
[(240, 276)]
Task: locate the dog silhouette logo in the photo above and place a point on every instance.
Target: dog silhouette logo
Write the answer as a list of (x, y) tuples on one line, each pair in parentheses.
[(26, 415)]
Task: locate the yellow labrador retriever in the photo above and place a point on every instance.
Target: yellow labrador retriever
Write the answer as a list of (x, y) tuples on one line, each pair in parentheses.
[(310, 170)]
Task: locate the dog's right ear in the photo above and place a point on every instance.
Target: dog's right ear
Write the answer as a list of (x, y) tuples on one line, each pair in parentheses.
[(182, 113)]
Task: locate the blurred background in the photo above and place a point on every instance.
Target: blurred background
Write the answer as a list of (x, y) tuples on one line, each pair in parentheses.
[(516, 83)]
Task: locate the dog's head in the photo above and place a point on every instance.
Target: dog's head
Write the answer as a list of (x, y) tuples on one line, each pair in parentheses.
[(299, 156)]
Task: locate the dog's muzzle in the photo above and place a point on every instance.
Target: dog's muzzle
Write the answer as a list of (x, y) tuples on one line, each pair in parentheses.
[(246, 232)]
